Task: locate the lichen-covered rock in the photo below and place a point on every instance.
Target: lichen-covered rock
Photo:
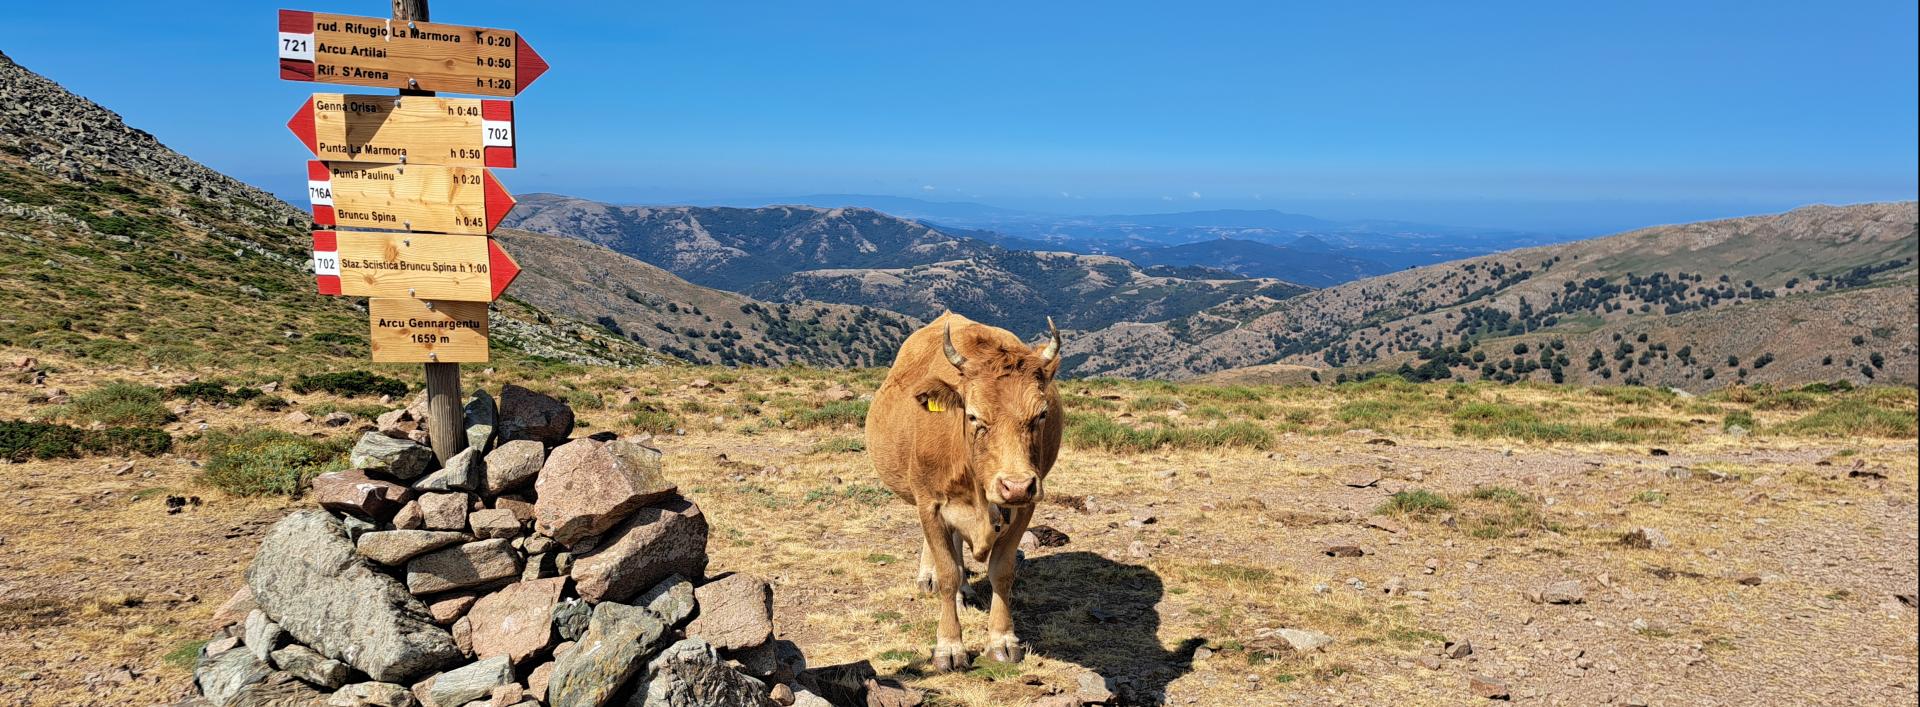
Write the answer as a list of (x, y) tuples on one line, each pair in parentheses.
[(262, 635), (736, 612), (690, 674), (517, 620), (470, 682), (460, 473), (309, 578), (654, 543), (359, 493), (672, 599), (483, 417), (615, 648), (395, 547), (588, 486), (462, 566), (443, 511), (307, 664), (494, 523), (513, 464), (399, 458), (525, 414), (372, 694), (222, 677)]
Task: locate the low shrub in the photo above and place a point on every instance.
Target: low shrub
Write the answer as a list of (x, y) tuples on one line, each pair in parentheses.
[(653, 420), (1416, 502), (118, 403), (263, 461), (212, 392), (838, 445), (20, 441), (1090, 431), (350, 384), (1854, 418), (832, 414)]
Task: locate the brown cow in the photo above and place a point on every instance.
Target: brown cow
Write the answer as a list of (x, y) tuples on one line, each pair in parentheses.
[(965, 428)]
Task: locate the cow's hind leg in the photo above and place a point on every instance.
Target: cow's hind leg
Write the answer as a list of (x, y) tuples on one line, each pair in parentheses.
[(1002, 643), (967, 594), (949, 653)]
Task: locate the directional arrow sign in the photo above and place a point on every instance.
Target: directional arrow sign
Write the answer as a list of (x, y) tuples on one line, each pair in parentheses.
[(428, 331), (433, 198), (418, 265), (426, 56), (460, 132)]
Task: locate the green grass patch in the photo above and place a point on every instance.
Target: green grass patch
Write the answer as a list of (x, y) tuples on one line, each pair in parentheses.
[(1742, 418), (20, 441), (652, 420), (833, 414), (863, 494), (1416, 502), (839, 445), (1649, 496), (1853, 418), (986, 668), (1153, 403), (262, 461), (1500, 420), (183, 656), (1091, 431), (118, 403), (213, 392)]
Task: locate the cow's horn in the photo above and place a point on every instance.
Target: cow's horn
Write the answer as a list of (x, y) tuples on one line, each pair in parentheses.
[(1053, 343), (953, 356)]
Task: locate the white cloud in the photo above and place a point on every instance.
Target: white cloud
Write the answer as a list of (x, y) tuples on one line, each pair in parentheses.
[(1193, 195), (926, 187), (1166, 198)]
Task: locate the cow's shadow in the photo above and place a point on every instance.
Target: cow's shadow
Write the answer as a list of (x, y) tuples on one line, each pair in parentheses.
[(1102, 615)]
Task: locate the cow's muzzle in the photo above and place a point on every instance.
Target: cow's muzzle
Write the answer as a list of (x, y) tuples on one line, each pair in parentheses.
[(1016, 491)]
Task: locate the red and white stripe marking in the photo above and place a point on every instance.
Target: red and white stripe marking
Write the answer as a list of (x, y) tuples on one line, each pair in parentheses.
[(320, 192), (326, 262), (296, 45), (496, 132)]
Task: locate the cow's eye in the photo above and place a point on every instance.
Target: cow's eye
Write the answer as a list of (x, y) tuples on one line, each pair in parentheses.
[(975, 419)]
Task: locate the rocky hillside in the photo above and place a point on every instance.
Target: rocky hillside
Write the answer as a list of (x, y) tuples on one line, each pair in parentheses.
[(864, 257), (1819, 293), (114, 248), (117, 249)]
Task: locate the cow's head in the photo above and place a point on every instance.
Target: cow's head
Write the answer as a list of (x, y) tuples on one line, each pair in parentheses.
[(1006, 401)]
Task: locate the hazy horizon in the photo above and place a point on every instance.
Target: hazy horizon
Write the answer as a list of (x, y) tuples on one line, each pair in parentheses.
[(1576, 120)]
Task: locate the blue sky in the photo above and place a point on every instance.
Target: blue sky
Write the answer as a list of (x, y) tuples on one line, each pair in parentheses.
[(1578, 117)]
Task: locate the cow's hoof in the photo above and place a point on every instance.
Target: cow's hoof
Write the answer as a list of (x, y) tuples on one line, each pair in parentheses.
[(947, 659), (1007, 650)]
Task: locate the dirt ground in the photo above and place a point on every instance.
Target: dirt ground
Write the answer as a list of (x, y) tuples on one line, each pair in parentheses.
[(1780, 584)]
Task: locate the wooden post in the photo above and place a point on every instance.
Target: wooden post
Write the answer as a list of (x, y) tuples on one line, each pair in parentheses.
[(446, 419)]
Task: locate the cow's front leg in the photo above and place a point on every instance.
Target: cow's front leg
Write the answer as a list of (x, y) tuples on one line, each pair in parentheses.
[(1002, 644), (949, 653), (928, 579)]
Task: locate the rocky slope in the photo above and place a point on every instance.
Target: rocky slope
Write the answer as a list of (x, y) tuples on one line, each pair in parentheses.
[(1819, 293), (864, 257)]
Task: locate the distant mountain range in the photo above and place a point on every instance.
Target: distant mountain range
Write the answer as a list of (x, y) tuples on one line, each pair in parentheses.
[(862, 257)]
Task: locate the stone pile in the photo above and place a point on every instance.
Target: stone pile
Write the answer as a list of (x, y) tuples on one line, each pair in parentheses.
[(531, 569)]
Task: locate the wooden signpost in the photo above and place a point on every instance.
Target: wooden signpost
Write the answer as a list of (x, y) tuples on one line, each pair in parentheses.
[(416, 167), (422, 266), (407, 54), (426, 197), (457, 132), (428, 331)]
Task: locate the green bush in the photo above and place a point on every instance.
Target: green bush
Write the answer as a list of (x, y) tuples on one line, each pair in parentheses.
[(211, 392), (653, 421), (1496, 420), (262, 461), (1091, 431), (1741, 418), (118, 403), (350, 384)]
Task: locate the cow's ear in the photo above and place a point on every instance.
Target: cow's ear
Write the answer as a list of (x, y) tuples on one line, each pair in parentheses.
[(939, 397)]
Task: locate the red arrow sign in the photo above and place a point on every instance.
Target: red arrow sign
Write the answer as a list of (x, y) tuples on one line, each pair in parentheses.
[(427, 56), (458, 132), (430, 266), (426, 198)]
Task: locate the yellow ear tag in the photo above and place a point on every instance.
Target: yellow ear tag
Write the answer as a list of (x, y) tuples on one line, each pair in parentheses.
[(935, 406)]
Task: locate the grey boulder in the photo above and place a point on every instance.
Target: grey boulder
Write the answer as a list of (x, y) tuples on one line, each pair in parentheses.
[(513, 464), (654, 543), (395, 547), (399, 458), (460, 473), (307, 664), (690, 674), (525, 414), (468, 565), (309, 578), (610, 653), (483, 416), (736, 612), (470, 682)]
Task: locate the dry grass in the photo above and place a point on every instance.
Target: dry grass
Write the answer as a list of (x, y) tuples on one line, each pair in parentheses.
[(1233, 549)]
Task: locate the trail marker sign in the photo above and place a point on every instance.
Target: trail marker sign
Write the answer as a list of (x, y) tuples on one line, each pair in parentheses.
[(421, 56), (416, 265), (427, 331), (432, 198), (458, 132)]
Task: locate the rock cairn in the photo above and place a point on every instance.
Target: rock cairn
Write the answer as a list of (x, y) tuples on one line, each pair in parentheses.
[(530, 569)]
